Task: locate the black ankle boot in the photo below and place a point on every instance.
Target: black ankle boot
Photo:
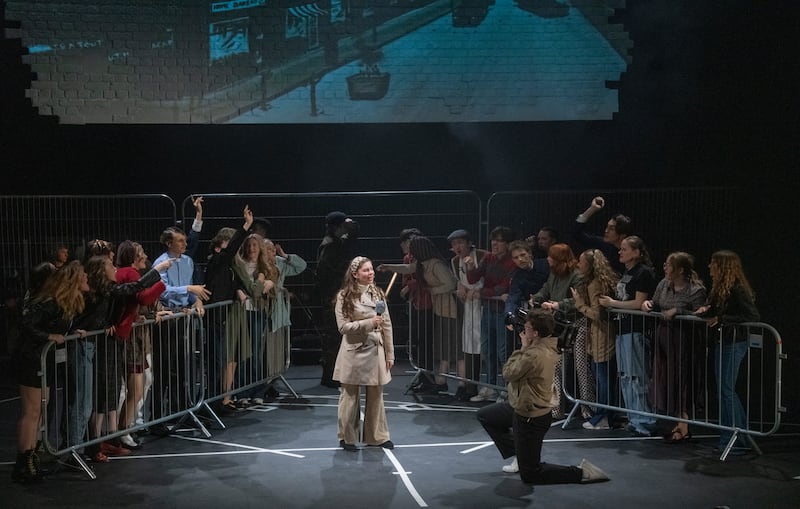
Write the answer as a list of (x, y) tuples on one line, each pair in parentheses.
[(26, 469)]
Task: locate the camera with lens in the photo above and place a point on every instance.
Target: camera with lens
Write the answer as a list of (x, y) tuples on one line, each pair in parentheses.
[(517, 319), (566, 329)]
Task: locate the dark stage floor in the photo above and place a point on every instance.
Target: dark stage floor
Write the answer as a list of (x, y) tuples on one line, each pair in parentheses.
[(285, 455)]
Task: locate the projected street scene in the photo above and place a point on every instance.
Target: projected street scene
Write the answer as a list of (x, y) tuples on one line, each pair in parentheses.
[(330, 61)]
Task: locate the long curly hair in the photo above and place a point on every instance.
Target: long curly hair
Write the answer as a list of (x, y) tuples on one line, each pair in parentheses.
[(564, 261), (350, 291), (264, 263), (728, 273), (64, 287), (600, 270)]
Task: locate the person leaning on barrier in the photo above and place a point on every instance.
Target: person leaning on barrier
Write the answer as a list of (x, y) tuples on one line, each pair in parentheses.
[(598, 279), (280, 312), (617, 228), (420, 318), (681, 292), (635, 286), (227, 339), (101, 388), (181, 295), (518, 426), (527, 279), (731, 302), (433, 274), (366, 356), (47, 316), (257, 275), (495, 269), (132, 263), (468, 295), (555, 295)]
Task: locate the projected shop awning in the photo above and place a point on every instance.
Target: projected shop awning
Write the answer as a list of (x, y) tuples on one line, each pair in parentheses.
[(306, 11)]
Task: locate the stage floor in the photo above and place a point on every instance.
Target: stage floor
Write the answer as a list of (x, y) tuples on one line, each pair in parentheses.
[(285, 454)]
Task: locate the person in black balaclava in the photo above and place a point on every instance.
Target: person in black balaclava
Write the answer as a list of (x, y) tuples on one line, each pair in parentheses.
[(333, 255)]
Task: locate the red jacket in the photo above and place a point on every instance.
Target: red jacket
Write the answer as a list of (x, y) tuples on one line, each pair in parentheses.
[(131, 307)]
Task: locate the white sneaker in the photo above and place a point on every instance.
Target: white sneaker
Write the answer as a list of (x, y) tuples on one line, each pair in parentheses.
[(481, 396), (602, 424), (511, 468), (591, 473), (257, 401)]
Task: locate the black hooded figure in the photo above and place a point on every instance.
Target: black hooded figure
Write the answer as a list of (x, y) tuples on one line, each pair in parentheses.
[(333, 255)]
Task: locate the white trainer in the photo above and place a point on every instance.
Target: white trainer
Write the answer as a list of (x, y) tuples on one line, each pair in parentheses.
[(591, 473), (601, 424), (511, 468), (481, 396)]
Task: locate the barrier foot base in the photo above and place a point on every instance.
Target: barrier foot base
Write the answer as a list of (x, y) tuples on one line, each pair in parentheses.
[(213, 415), (289, 387), (80, 464), (199, 424), (734, 437), (568, 418)]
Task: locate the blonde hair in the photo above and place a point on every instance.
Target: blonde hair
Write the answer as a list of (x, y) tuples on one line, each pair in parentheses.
[(264, 264), (63, 286), (599, 269)]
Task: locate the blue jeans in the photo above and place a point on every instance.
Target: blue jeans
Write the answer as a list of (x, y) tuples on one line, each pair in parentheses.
[(605, 391), (494, 340), (80, 363), (254, 367), (727, 359), (633, 381)]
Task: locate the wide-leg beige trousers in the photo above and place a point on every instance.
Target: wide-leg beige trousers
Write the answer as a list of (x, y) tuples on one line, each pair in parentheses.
[(376, 429)]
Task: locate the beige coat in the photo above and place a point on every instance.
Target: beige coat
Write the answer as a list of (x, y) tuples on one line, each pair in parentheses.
[(602, 334), (363, 351), (441, 282)]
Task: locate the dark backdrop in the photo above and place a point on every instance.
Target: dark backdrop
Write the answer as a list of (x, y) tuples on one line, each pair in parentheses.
[(709, 99)]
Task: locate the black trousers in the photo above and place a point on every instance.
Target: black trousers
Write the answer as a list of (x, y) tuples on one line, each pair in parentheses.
[(515, 434)]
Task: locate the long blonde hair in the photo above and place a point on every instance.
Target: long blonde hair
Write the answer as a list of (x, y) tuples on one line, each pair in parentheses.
[(264, 264), (600, 270), (350, 291), (729, 272), (64, 287)]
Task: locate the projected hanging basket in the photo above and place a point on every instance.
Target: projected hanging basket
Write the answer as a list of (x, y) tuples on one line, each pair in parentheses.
[(368, 85)]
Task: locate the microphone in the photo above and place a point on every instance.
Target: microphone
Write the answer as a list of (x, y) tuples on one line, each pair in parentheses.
[(380, 308)]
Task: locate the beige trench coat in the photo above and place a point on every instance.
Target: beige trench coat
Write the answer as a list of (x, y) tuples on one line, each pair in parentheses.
[(363, 351)]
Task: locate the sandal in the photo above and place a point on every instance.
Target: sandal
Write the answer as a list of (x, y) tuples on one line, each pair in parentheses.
[(677, 436)]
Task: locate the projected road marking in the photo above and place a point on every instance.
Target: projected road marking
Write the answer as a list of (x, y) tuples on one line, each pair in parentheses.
[(404, 476)]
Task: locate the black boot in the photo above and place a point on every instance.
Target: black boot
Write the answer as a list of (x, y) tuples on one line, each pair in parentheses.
[(26, 469)]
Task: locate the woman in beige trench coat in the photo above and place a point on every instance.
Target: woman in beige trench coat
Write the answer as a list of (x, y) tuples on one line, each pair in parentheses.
[(366, 356)]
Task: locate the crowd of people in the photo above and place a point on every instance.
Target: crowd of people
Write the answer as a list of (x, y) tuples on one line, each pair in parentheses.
[(467, 311), (107, 362), (508, 288)]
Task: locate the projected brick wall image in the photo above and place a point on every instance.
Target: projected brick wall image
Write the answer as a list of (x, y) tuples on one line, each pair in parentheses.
[(325, 61)]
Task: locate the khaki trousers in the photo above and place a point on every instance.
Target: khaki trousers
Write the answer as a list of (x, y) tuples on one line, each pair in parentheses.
[(376, 429)]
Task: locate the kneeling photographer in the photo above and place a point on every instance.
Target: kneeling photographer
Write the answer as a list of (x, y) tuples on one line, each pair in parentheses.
[(518, 426)]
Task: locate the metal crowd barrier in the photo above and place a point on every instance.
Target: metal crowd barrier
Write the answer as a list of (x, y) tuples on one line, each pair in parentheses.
[(680, 370), (102, 388), (451, 347)]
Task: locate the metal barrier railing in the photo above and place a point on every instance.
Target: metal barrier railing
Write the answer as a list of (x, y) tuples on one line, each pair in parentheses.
[(92, 376), (680, 370)]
